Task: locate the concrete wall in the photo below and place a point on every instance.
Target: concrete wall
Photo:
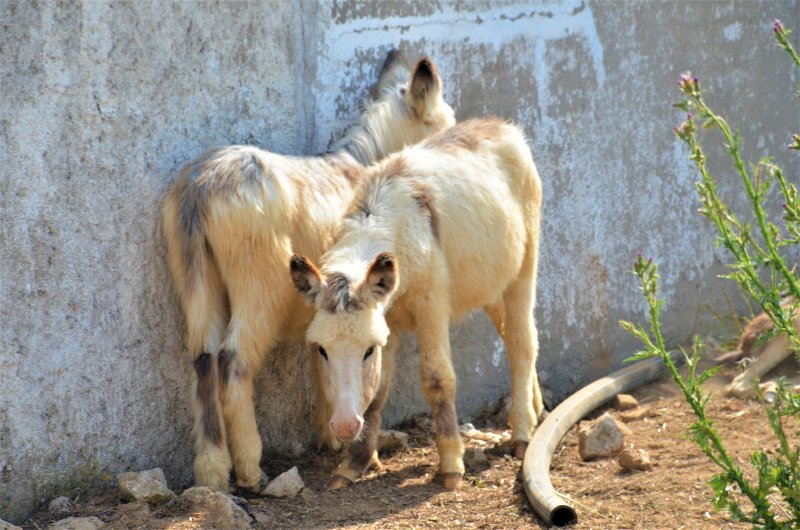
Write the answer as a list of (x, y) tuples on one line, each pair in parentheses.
[(103, 102)]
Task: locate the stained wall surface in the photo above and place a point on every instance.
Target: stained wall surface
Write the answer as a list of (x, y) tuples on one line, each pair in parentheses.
[(103, 102)]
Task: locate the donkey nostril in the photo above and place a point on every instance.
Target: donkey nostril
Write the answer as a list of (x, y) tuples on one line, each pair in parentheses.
[(357, 425)]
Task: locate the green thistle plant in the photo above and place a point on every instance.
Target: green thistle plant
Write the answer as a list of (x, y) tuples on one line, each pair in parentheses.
[(761, 271)]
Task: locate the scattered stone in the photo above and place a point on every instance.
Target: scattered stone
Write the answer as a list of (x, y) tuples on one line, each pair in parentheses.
[(625, 402), (601, 438), (633, 414), (220, 510), (8, 526), (59, 505), (286, 484), (475, 459), (631, 458), (77, 523), (390, 441), (148, 486)]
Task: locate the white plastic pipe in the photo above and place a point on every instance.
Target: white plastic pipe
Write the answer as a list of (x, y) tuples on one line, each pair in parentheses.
[(547, 503)]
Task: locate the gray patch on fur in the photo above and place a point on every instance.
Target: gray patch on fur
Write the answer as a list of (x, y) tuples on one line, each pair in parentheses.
[(339, 296)]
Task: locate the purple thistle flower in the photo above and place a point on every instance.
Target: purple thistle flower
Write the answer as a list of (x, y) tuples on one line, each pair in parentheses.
[(777, 27)]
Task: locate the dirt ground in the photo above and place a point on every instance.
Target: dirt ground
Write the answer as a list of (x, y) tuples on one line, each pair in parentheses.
[(408, 494)]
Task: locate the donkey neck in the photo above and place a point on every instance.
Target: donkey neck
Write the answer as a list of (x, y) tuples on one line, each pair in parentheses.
[(380, 132)]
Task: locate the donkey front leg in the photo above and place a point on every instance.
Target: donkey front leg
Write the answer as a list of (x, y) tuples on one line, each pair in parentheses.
[(439, 386), (363, 453)]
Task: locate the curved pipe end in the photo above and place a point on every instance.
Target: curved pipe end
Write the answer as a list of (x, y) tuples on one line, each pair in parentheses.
[(563, 515)]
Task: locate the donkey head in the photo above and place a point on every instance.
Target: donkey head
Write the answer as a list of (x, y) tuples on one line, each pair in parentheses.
[(348, 332), (407, 107)]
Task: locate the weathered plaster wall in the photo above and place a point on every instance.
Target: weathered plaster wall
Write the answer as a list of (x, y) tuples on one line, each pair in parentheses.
[(102, 103)]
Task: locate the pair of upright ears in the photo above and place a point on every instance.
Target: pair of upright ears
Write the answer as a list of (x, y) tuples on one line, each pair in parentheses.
[(336, 292)]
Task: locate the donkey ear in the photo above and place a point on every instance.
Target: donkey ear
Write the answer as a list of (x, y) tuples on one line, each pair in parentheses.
[(305, 277), (394, 72), (382, 279), (425, 87)]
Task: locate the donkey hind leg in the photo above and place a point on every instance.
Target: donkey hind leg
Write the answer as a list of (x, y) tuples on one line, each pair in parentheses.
[(439, 386), (212, 462), (522, 346), (206, 308), (237, 367), (364, 453)]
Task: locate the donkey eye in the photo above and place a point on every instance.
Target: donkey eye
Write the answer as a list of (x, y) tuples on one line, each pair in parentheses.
[(322, 352), (402, 91), (369, 352)]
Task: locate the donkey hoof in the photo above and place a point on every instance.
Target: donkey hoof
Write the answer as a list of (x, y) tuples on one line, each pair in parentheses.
[(338, 482), (452, 481), (519, 449)]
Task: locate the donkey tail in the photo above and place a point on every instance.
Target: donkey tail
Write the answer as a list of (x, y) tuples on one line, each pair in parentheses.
[(195, 274)]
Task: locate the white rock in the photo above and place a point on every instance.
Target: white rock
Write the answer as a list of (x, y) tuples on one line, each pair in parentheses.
[(147, 486), (219, 510), (8, 526), (475, 459), (392, 441), (469, 432), (77, 523), (60, 505), (286, 484), (625, 402), (634, 459), (601, 438), (466, 428)]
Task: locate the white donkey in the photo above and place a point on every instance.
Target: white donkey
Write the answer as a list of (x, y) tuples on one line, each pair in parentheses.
[(444, 227), (232, 219)]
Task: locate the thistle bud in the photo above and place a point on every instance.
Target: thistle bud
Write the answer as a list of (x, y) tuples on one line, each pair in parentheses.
[(686, 129), (795, 142), (688, 84), (777, 27)]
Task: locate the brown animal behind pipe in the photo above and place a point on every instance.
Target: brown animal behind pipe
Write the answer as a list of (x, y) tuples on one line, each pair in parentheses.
[(749, 346)]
